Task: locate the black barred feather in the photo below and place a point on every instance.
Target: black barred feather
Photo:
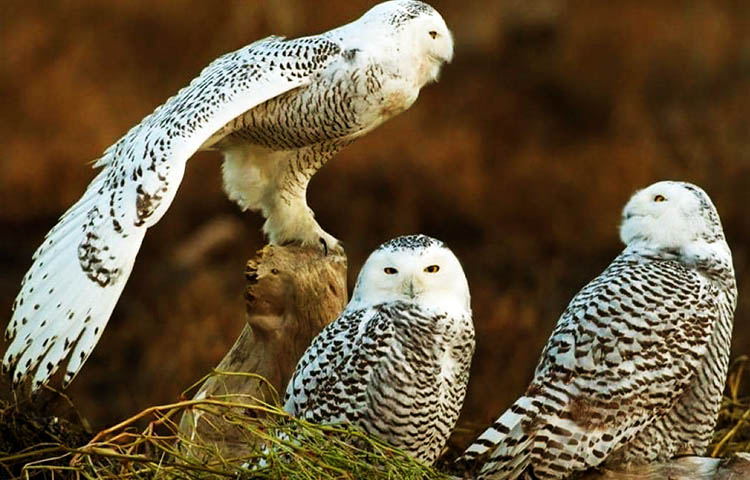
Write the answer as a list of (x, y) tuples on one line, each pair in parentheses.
[(635, 368), (396, 369)]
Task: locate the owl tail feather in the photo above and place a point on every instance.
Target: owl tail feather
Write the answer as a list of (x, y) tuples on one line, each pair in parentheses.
[(503, 451)]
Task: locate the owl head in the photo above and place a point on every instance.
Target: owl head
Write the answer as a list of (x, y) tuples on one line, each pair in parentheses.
[(413, 268), (671, 216), (414, 32)]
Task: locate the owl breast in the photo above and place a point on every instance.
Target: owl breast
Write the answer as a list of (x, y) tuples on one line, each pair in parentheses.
[(421, 382), (339, 107)]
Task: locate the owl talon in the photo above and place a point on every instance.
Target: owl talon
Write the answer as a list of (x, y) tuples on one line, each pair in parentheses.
[(325, 246), (271, 151)]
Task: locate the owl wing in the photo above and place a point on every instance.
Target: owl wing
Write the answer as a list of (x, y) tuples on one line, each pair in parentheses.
[(332, 376), (624, 351), (79, 271)]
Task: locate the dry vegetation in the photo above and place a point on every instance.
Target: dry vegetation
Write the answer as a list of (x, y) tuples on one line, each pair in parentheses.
[(733, 431), (294, 449), (552, 113)]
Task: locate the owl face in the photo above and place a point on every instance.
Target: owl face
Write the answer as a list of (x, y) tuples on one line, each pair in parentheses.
[(420, 33), (433, 41), (669, 215), (413, 268)]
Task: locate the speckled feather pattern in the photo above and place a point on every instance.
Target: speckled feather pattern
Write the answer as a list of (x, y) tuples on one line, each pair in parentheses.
[(277, 110), (380, 368), (410, 242), (633, 372)]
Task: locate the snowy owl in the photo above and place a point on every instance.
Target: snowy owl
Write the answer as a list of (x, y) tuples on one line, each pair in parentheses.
[(396, 361), (277, 110), (635, 368)]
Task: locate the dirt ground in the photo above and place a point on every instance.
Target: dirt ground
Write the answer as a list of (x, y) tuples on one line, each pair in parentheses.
[(520, 158)]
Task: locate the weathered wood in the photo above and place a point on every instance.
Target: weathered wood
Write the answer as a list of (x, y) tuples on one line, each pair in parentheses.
[(686, 468), (291, 294)]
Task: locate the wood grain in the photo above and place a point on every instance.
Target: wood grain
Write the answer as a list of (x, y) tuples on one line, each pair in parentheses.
[(291, 294)]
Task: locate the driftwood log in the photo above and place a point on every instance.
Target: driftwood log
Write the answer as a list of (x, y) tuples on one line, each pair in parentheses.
[(736, 467), (291, 294)]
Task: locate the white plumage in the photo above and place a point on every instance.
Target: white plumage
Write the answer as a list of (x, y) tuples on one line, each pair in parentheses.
[(396, 361), (635, 368), (277, 109)]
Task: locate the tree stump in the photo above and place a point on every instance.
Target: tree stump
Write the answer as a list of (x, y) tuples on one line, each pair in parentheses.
[(291, 294)]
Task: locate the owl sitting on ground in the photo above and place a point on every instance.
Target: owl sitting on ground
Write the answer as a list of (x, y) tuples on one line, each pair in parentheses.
[(395, 363), (635, 369)]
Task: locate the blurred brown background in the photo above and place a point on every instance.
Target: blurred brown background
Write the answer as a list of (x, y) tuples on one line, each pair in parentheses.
[(552, 113)]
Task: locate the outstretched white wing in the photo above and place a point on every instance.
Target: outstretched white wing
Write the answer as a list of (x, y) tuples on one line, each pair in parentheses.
[(79, 271)]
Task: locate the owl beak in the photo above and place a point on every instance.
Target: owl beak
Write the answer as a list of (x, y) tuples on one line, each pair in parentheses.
[(408, 289), (412, 288)]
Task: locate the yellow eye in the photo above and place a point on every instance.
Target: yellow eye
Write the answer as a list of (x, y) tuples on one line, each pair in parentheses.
[(433, 34), (390, 271), (432, 268), (660, 198)]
